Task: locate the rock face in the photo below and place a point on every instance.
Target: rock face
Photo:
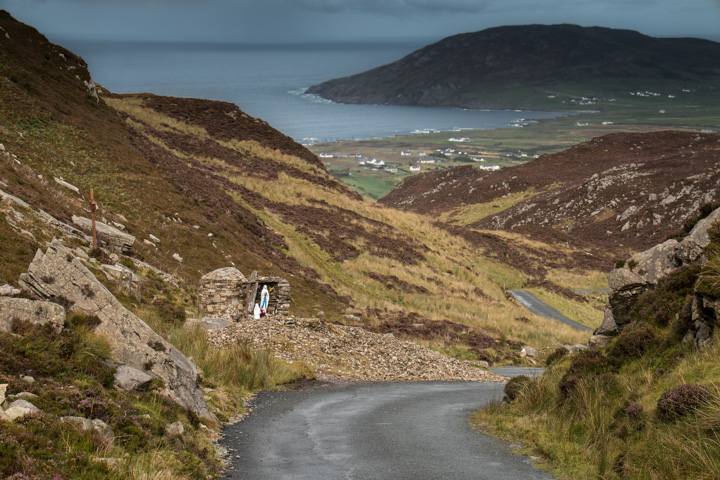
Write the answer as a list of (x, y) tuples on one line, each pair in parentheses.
[(34, 311), (134, 342), (645, 269), (117, 239), (608, 325)]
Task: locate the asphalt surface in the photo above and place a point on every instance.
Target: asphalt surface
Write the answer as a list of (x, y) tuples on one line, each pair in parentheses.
[(538, 307), (381, 431)]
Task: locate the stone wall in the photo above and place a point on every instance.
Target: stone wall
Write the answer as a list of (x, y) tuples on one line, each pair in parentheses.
[(222, 293)]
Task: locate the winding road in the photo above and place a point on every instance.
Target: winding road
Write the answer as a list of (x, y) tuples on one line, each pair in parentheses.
[(538, 307), (379, 431)]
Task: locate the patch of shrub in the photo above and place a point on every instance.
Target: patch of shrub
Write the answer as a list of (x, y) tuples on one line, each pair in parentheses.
[(40, 351), (681, 401), (81, 320), (633, 342), (620, 264), (587, 364), (628, 420), (559, 353), (169, 312), (514, 386), (659, 305)]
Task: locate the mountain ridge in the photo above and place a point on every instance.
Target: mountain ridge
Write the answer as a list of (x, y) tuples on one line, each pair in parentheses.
[(617, 191), (478, 69)]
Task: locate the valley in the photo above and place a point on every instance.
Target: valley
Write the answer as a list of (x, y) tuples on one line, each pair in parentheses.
[(689, 111), (402, 277)]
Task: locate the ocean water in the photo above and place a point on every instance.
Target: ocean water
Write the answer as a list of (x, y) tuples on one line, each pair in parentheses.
[(268, 81)]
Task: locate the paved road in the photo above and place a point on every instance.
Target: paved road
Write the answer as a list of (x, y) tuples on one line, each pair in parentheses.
[(382, 431), (538, 307)]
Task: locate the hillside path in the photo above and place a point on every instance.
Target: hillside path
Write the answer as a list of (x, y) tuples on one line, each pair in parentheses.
[(538, 307), (373, 431)]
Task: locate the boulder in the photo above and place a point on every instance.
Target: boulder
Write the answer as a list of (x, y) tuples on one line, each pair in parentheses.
[(96, 424), (624, 279), (608, 325), (174, 429), (20, 408), (8, 291), (578, 347), (124, 278), (598, 341), (656, 262), (528, 351), (3, 391), (115, 238), (80, 423), (23, 396), (104, 430), (691, 247), (130, 378), (34, 311), (134, 342)]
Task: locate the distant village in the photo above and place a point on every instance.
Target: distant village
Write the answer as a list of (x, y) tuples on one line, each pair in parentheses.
[(420, 160)]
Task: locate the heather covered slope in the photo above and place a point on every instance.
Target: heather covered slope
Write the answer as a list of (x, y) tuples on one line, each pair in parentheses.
[(518, 66), (56, 127), (645, 402), (616, 192), (218, 187)]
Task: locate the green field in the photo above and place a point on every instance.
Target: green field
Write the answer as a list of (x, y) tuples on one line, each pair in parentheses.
[(697, 111)]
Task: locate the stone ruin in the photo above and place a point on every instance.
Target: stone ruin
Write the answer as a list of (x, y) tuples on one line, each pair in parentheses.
[(227, 293)]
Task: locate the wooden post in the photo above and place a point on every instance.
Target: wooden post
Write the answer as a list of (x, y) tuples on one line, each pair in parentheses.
[(93, 207)]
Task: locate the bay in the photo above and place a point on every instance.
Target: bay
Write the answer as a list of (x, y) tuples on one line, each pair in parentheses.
[(268, 81)]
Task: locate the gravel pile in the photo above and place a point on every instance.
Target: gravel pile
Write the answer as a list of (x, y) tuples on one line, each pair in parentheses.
[(352, 353)]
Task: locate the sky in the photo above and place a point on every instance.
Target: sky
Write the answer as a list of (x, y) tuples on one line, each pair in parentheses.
[(283, 21)]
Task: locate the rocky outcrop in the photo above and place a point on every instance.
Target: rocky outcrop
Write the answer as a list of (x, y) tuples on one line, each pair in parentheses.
[(34, 311), (115, 238), (645, 269), (134, 342)]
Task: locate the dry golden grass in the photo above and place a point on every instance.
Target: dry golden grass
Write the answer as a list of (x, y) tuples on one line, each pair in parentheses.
[(468, 214), (135, 107), (586, 280), (452, 289)]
